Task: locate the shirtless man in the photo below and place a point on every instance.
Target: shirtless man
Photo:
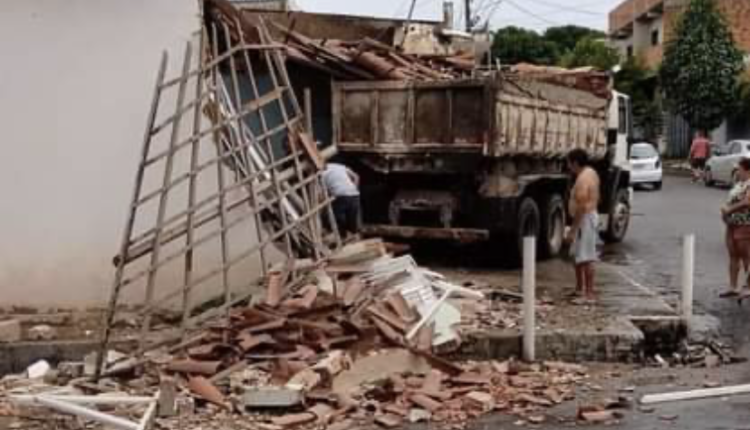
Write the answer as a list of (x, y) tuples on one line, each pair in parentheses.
[(584, 232)]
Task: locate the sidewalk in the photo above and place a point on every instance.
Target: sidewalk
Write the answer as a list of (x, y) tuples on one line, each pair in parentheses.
[(628, 320)]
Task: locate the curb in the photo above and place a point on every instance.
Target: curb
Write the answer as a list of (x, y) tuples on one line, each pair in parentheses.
[(624, 340), (620, 341), (16, 357)]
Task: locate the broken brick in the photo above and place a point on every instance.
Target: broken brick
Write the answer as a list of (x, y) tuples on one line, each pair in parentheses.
[(389, 420), (433, 381), (204, 389), (195, 367), (470, 379), (388, 317), (322, 412), (398, 304), (292, 420), (481, 400), (275, 289), (425, 402)]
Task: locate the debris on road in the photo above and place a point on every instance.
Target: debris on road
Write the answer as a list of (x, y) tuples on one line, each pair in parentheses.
[(708, 354)]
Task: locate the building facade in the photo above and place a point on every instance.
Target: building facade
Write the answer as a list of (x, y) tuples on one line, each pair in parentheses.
[(642, 27)]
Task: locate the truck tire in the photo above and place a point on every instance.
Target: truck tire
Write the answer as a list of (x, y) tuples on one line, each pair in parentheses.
[(553, 227), (529, 223), (619, 217)]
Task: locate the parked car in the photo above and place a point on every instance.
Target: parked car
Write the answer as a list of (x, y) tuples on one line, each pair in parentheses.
[(645, 164), (722, 167)]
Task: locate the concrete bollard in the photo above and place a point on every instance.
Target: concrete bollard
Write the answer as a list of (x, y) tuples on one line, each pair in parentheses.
[(529, 299), (688, 273)]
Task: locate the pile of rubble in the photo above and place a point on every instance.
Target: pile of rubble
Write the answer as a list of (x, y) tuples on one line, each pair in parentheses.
[(356, 341), (368, 59)]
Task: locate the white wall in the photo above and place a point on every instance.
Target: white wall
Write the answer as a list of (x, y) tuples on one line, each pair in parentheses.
[(75, 85)]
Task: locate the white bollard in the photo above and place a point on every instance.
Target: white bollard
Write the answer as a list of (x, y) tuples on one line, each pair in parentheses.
[(529, 298), (688, 272)]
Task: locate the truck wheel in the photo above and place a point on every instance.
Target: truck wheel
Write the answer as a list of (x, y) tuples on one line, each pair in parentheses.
[(619, 218), (528, 222), (553, 227)]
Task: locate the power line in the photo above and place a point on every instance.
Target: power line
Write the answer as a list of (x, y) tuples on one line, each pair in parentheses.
[(574, 9), (531, 13)]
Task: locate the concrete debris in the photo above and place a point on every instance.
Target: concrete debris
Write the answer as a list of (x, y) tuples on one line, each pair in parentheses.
[(599, 417), (708, 354), (10, 331), (71, 370), (42, 332), (168, 406), (293, 420), (272, 398), (38, 370), (419, 415)]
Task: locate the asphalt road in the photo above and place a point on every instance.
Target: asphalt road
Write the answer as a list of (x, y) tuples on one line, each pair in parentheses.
[(652, 251), (652, 255)]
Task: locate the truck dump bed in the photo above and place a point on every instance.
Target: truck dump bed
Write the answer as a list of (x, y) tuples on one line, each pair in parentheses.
[(498, 116)]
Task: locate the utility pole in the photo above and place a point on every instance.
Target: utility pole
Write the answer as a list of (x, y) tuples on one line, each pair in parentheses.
[(407, 25), (468, 18)]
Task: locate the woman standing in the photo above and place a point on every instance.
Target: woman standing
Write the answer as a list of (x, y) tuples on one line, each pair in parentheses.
[(736, 215)]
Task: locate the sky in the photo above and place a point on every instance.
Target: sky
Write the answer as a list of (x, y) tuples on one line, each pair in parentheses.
[(534, 14)]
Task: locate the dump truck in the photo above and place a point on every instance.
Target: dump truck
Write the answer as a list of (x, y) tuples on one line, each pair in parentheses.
[(483, 159)]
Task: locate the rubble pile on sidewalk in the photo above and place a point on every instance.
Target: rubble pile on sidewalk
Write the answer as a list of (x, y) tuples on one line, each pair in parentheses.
[(356, 341)]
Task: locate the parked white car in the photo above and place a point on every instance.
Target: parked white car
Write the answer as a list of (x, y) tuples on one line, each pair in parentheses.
[(722, 167), (645, 164)]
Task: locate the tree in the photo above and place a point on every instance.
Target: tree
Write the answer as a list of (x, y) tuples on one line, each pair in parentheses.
[(641, 84), (567, 37), (702, 66), (513, 45), (591, 52)]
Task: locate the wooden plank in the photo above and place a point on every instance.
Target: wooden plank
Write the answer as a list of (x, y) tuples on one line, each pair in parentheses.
[(311, 149), (164, 199), (192, 189), (130, 223), (238, 258), (235, 221)]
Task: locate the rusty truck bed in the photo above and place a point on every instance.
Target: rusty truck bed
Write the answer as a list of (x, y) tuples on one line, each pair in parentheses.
[(492, 116)]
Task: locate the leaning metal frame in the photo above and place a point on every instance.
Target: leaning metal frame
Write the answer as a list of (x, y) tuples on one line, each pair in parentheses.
[(263, 178)]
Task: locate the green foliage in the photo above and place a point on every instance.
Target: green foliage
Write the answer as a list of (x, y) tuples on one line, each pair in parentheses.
[(641, 84), (558, 46), (567, 37), (513, 45), (591, 52), (701, 71)]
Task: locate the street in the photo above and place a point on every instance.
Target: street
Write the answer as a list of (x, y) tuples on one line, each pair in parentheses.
[(652, 256), (653, 250)]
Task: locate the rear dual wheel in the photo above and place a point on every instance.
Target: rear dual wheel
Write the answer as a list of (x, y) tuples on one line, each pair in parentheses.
[(547, 224)]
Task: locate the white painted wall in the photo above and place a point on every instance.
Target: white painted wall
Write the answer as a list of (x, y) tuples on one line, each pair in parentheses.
[(75, 85)]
